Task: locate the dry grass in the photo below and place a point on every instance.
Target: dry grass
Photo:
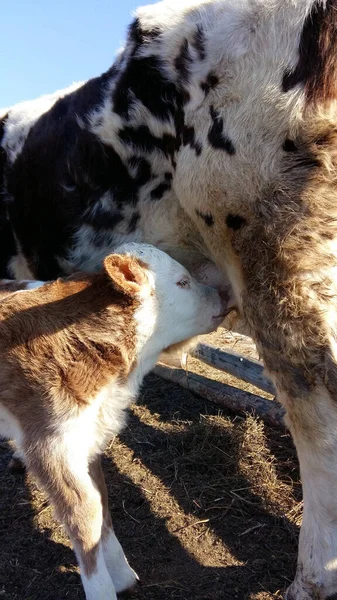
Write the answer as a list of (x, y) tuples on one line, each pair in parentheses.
[(206, 505)]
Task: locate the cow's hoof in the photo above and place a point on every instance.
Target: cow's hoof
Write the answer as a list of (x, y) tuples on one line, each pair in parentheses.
[(300, 590)]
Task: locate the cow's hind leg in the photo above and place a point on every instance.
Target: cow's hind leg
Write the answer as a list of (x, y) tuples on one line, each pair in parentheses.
[(295, 332), (313, 423), (280, 251), (289, 299)]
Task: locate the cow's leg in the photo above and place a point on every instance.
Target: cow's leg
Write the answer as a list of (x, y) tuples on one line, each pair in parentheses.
[(292, 315), (313, 423), (123, 577), (280, 252), (293, 324)]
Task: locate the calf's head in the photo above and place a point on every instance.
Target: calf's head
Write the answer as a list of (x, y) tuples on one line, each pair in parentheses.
[(173, 305)]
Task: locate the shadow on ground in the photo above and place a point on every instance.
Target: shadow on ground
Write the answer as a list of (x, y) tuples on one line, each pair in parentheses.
[(205, 505)]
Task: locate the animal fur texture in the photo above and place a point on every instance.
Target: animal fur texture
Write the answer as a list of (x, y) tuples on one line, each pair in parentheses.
[(213, 137)]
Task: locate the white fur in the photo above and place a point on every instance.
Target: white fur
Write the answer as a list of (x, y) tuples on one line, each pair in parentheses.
[(99, 585), (313, 425), (33, 285), (119, 569), (18, 268), (9, 425)]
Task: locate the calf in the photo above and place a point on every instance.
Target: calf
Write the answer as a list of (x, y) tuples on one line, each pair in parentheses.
[(73, 355)]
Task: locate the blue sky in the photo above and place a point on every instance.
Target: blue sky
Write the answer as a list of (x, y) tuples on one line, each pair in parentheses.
[(48, 44)]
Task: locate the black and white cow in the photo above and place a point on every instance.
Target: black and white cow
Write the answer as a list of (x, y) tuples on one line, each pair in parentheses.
[(214, 137)]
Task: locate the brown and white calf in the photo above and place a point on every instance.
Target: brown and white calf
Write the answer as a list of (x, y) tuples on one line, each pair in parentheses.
[(73, 354)]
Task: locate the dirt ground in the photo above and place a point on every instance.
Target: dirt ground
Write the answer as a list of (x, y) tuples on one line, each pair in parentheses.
[(207, 505)]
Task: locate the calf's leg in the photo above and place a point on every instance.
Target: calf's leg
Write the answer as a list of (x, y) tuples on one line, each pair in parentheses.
[(123, 577), (78, 505)]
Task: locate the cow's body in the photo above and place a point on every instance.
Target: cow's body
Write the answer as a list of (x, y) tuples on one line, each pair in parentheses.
[(212, 137)]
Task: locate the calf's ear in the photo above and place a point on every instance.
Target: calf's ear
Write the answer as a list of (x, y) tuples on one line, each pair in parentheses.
[(126, 272)]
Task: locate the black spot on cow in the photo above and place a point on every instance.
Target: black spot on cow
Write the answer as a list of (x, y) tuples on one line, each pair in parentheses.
[(188, 139), (168, 176), (140, 35), (103, 220), (235, 222), (183, 61), (198, 42), (188, 136), (133, 223), (216, 137), (158, 192), (198, 148), (207, 217), (81, 101), (140, 138), (61, 108), (289, 146), (145, 79), (135, 32), (316, 68), (211, 82)]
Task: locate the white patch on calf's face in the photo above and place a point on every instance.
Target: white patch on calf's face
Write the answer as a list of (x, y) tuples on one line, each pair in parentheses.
[(184, 308)]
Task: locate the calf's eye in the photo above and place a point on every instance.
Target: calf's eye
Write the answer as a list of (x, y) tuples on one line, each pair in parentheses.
[(184, 283)]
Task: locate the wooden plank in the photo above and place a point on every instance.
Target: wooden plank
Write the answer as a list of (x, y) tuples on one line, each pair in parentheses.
[(247, 369), (225, 395)]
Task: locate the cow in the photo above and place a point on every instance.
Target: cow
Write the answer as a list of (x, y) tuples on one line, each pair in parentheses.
[(213, 137)]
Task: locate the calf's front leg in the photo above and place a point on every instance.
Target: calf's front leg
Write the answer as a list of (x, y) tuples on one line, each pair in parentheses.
[(122, 575)]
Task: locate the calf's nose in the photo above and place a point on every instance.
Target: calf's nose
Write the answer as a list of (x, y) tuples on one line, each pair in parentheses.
[(227, 302)]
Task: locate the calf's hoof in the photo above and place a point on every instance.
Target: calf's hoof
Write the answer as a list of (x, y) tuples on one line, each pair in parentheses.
[(132, 591), (16, 466)]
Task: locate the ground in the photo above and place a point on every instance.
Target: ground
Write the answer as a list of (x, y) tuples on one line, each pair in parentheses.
[(207, 505)]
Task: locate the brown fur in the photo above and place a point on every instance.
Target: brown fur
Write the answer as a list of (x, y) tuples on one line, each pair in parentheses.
[(317, 64), (288, 277), (67, 338), (83, 324)]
